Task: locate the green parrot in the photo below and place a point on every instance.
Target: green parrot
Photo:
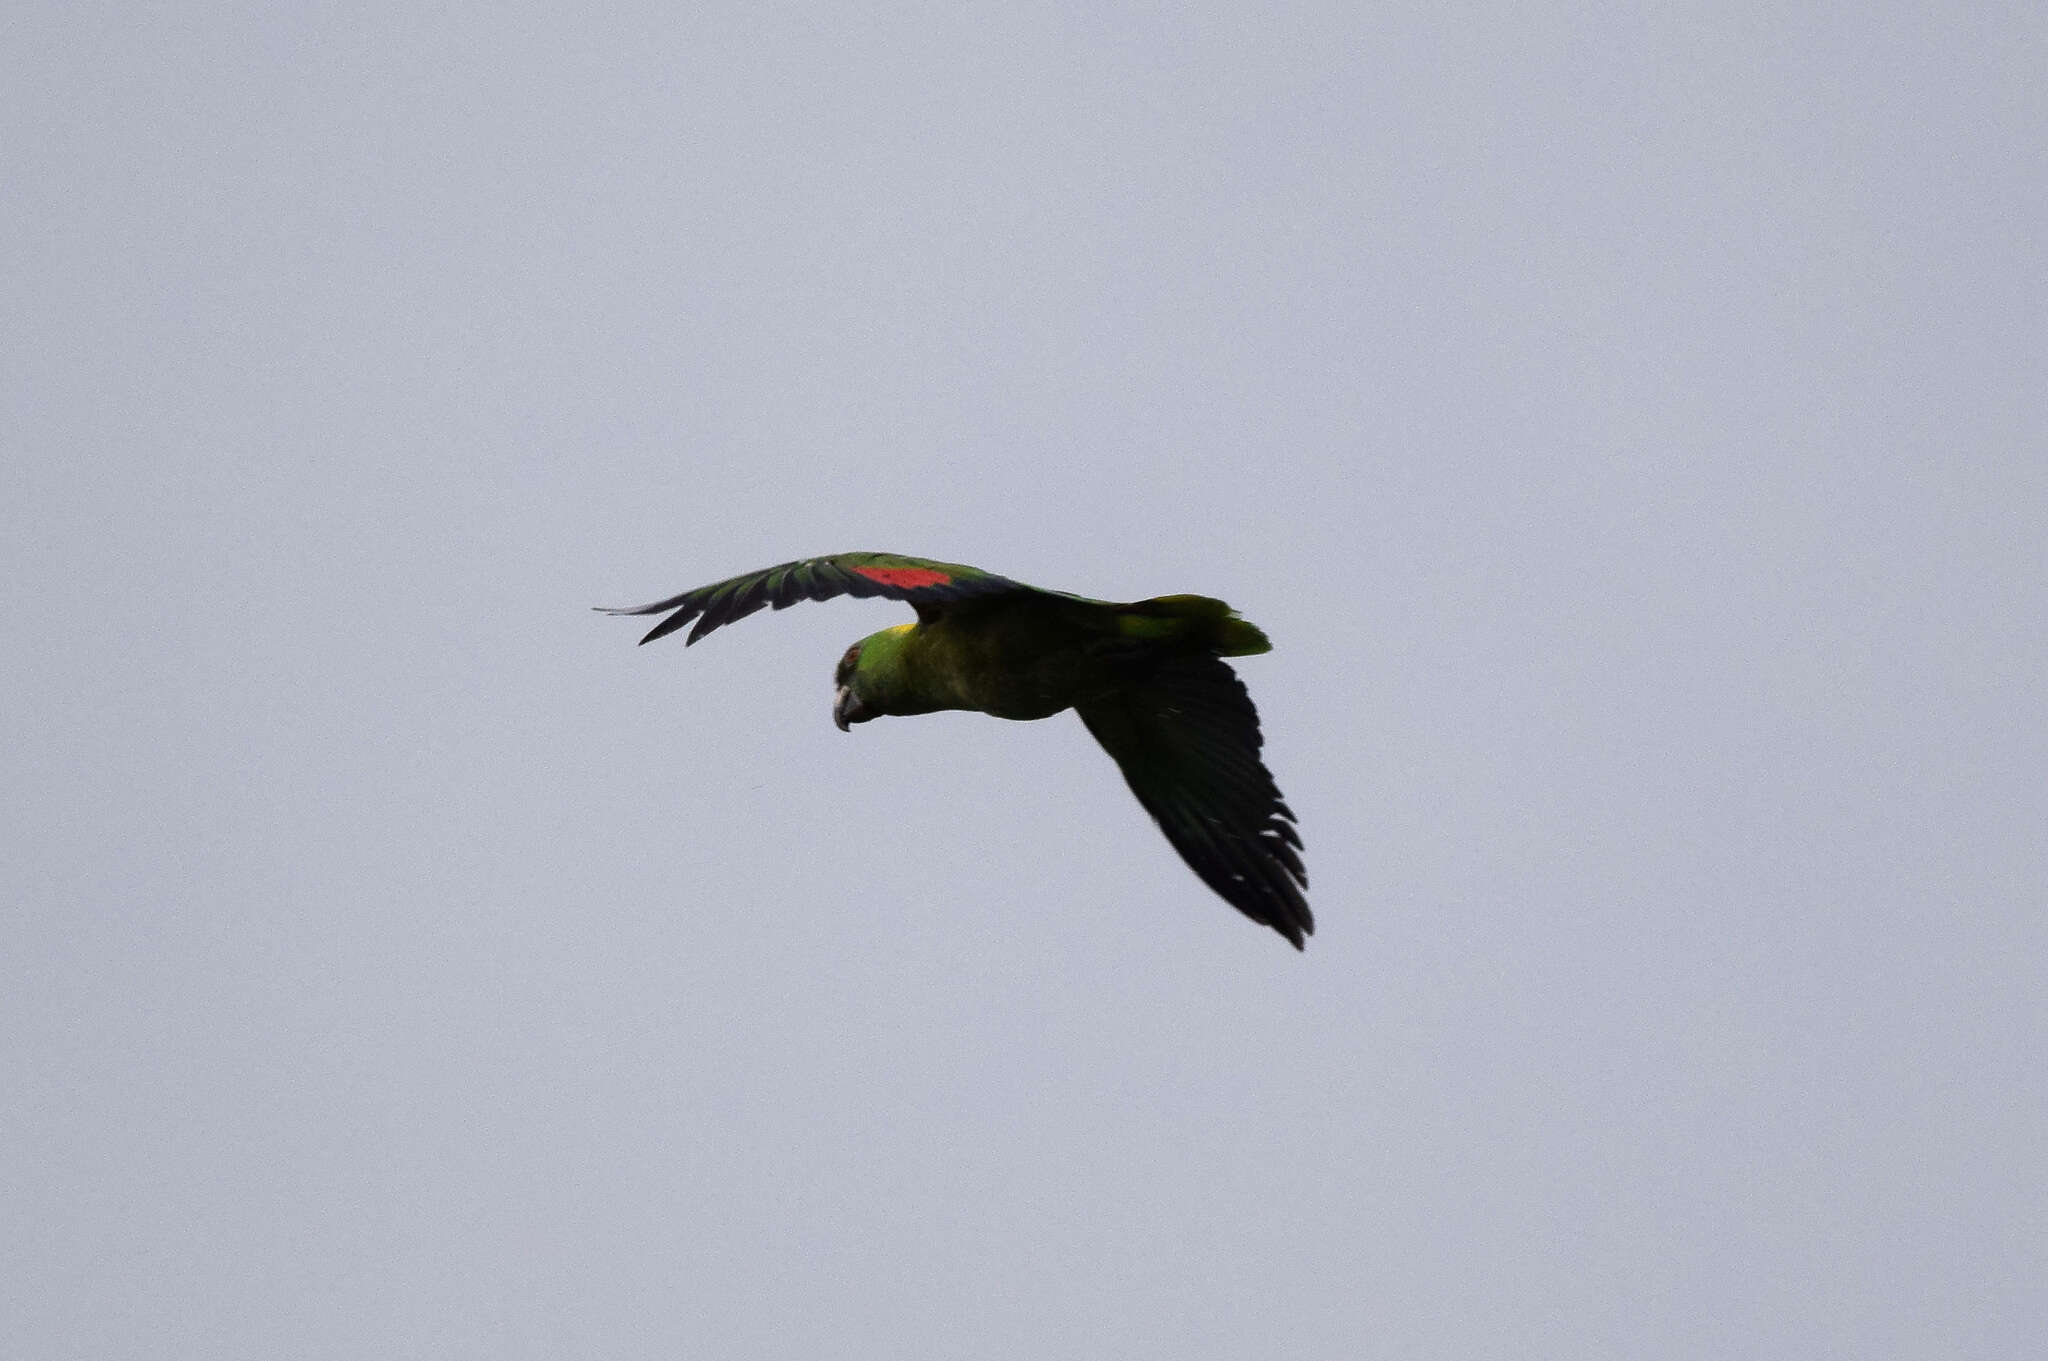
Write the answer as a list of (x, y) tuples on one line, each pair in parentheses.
[(1146, 678)]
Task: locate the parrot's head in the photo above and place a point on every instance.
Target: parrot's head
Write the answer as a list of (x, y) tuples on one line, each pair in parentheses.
[(848, 705)]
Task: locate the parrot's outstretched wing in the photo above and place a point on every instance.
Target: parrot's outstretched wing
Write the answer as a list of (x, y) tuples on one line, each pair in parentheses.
[(1187, 740), (930, 586)]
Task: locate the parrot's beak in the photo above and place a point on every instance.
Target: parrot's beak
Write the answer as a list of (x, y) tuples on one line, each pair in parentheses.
[(848, 710)]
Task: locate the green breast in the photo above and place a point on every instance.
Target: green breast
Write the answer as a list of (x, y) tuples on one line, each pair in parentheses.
[(1023, 659)]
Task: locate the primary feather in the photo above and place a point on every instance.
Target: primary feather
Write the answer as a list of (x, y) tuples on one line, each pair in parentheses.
[(1187, 740), (922, 582)]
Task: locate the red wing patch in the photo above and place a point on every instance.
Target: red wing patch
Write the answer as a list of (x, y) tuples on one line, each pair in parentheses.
[(906, 577)]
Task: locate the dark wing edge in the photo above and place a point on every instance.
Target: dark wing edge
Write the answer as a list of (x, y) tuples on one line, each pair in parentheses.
[(928, 585), (1187, 740)]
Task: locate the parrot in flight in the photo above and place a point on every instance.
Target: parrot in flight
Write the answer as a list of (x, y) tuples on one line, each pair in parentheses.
[(1147, 679)]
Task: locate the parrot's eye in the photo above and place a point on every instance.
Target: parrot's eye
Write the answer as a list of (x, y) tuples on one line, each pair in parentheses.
[(846, 665)]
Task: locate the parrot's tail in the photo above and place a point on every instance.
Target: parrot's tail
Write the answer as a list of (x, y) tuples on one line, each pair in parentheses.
[(1192, 619)]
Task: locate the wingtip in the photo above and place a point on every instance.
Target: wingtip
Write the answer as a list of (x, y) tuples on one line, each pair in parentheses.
[(1297, 927)]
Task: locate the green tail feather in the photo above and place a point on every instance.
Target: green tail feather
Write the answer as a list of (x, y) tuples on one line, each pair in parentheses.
[(1193, 618)]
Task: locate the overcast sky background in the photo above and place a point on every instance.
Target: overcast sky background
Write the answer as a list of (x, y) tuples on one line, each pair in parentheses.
[(1629, 428)]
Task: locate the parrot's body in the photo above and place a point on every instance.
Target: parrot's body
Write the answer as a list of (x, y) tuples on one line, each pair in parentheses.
[(1145, 677)]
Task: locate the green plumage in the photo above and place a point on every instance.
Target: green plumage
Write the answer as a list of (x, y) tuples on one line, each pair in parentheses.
[(1145, 677)]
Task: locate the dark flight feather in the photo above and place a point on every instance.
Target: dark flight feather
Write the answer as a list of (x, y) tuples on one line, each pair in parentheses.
[(928, 585), (1187, 740)]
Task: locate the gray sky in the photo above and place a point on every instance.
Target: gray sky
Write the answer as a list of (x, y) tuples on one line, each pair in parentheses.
[(1628, 427)]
